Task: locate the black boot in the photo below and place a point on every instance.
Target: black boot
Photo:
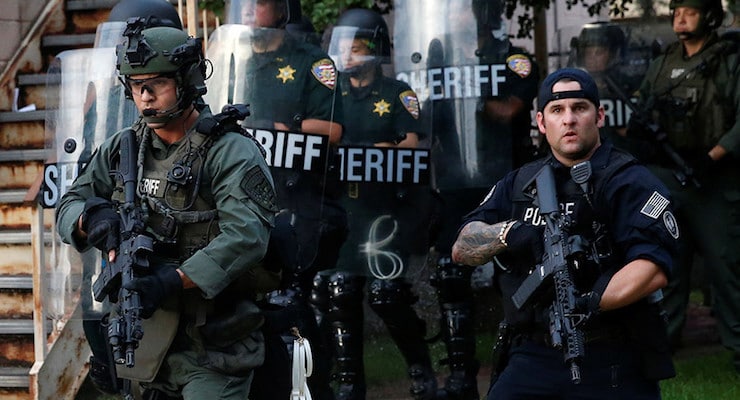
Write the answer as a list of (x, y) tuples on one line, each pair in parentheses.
[(392, 300), (456, 302), (347, 320)]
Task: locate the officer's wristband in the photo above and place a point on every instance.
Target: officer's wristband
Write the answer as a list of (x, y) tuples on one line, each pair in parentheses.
[(504, 229)]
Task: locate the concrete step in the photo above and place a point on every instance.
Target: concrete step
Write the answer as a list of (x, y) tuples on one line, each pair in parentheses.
[(71, 40)]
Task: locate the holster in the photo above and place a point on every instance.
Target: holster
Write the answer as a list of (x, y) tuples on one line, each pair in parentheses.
[(649, 334), (500, 352)]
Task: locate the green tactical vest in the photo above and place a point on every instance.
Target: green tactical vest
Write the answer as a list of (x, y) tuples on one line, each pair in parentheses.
[(692, 96), (181, 217)]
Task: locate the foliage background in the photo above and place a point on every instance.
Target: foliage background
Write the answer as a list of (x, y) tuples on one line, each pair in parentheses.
[(323, 12)]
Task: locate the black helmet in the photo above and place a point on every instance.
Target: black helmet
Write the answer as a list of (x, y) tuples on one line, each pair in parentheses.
[(167, 51), (488, 14), (369, 28), (304, 30), (711, 13), (240, 12), (157, 12), (601, 34)]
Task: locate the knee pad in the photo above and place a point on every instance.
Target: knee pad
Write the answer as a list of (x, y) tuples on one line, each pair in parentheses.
[(391, 291), (452, 281), (346, 292)]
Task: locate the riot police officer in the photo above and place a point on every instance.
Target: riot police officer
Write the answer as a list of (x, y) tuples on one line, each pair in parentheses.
[(205, 201), (600, 48), (476, 92), (290, 85), (692, 94), (386, 219), (603, 338)]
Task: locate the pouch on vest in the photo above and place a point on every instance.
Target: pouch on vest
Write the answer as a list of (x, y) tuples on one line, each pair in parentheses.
[(159, 332)]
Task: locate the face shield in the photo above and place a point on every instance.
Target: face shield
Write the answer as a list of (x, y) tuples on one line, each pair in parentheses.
[(351, 52)]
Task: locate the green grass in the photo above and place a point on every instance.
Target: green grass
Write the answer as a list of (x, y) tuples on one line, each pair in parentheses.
[(699, 377), (702, 374)]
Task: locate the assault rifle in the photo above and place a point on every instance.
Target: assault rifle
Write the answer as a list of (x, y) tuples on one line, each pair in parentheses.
[(124, 329), (682, 171), (561, 250)]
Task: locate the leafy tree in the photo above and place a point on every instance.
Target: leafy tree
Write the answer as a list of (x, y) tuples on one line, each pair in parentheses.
[(324, 12)]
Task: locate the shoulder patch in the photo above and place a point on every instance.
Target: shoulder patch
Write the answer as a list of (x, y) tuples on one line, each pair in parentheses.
[(256, 185), (324, 72), (488, 196), (670, 223), (410, 102), (519, 64), (654, 206)]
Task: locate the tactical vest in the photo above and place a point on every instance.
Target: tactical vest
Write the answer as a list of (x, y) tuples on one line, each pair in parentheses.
[(693, 98), (182, 218), (586, 221)]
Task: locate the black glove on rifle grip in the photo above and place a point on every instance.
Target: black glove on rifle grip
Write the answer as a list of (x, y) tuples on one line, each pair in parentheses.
[(526, 243), (153, 289), (102, 224)]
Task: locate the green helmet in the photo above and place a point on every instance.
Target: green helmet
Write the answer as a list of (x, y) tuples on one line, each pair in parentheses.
[(163, 50), (711, 12)]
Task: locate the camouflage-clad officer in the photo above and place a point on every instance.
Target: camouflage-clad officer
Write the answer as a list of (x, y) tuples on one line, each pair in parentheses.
[(693, 93), (208, 203)]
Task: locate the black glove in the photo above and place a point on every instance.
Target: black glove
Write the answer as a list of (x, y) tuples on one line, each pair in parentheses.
[(526, 243), (101, 223), (638, 127), (155, 288), (588, 304), (704, 166)]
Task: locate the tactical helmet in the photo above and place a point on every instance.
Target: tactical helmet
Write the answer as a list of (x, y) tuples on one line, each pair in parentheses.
[(601, 34), (291, 11), (371, 26), (158, 12), (711, 12), (488, 14), (163, 50)]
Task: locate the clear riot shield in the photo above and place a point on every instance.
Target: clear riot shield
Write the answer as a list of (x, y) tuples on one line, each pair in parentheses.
[(89, 106), (438, 52), (289, 86)]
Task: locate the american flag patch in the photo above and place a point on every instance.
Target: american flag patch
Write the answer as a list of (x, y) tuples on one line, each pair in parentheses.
[(655, 205), (324, 72), (410, 102)]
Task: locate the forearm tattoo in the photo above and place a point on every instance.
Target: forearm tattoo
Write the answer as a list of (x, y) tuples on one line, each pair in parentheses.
[(478, 242)]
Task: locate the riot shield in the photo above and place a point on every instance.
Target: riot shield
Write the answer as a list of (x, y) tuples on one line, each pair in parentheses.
[(456, 57), (88, 102), (289, 85), (385, 160)]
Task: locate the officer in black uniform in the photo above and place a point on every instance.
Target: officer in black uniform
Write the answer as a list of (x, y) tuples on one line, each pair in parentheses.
[(386, 219), (618, 209), (498, 132)]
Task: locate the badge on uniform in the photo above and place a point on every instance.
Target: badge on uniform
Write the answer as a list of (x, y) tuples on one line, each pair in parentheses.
[(382, 107), (410, 102), (286, 73), (324, 72), (519, 64)]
